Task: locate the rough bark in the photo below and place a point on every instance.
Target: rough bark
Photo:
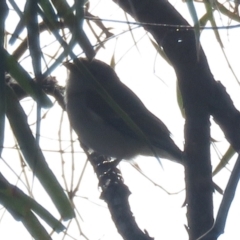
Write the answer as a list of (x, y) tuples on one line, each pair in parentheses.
[(115, 193)]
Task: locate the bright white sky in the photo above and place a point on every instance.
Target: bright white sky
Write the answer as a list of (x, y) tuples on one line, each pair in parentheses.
[(154, 82)]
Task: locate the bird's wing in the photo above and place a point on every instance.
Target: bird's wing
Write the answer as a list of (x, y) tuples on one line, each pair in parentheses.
[(102, 109), (154, 129), (133, 107)]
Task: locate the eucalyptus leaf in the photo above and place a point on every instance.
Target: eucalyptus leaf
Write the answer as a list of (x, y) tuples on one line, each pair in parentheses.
[(225, 159), (3, 15), (34, 156), (26, 82), (19, 204)]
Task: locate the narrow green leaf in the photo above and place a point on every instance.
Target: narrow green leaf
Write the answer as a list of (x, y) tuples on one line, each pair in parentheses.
[(20, 211), (18, 203), (34, 156), (49, 12), (160, 52), (194, 16), (225, 159), (72, 22), (192, 11), (21, 24), (203, 20), (26, 82), (209, 9), (113, 62), (3, 15), (34, 227), (33, 38), (28, 219)]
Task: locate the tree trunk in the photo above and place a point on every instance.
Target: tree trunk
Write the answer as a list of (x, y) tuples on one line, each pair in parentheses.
[(196, 85)]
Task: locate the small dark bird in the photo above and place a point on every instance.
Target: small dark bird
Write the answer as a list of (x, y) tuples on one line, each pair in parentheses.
[(99, 126)]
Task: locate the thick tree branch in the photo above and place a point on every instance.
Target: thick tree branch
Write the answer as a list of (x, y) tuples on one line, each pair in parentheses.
[(219, 225), (202, 97), (196, 85), (115, 193)]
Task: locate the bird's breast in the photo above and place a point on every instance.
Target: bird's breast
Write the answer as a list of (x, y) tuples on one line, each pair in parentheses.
[(98, 135)]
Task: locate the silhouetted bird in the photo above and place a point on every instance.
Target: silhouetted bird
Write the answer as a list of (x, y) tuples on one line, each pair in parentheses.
[(99, 126)]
